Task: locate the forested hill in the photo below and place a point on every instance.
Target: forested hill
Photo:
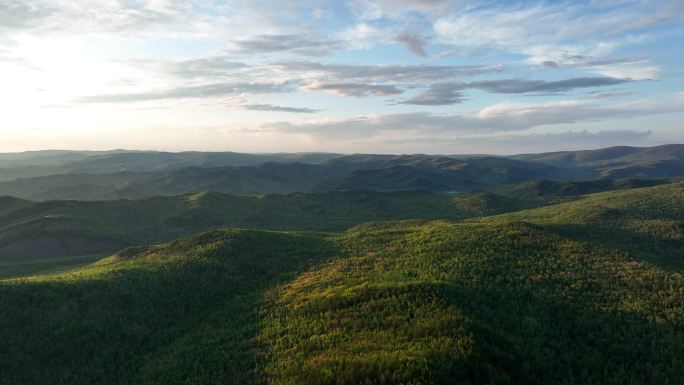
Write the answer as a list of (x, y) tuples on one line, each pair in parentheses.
[(37, 230), (545, 296)]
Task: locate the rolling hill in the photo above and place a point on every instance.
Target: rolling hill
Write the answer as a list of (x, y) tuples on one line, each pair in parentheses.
[(439, 174), (45, 163), (34, 231), (485, 300), (39, 230)]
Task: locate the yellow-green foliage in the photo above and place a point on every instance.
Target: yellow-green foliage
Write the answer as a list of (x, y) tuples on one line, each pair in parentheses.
[(476, 303)]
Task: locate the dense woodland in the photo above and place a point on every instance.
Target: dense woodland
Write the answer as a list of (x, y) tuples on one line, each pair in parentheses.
[(586, 289)]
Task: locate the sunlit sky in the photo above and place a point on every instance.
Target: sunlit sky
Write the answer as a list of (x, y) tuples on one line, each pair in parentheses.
[(384, 76)]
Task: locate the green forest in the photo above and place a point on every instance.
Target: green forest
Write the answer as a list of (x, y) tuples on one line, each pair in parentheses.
[(583, 290)]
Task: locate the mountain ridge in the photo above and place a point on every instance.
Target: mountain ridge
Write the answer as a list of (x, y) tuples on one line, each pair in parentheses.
[(140, 174)]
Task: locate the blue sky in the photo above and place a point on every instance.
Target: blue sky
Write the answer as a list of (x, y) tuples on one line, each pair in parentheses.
[(384, 76)]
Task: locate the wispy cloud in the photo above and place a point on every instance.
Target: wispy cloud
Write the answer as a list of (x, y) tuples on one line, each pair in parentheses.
[(305, 45), (545, 30), (516, 86), (412, 74), (452, 93), (202, 91), (271, 107), (212, 66), (515, 25), (639, 68), (353, 89), (438, 94), (377, 9)]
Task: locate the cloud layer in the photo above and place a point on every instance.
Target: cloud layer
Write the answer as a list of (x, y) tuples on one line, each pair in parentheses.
[(505, 117)]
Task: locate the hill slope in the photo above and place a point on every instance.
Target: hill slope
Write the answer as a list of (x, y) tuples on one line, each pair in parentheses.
[(537, 193), (481, 301), (35, 230), (617, 162)]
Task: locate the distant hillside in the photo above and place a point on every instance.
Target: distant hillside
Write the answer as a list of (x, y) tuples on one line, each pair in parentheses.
[(537, 193), (432, 173), (617, 162), (35, 230), (9, 204), (482, 301), (49, 157), (45, 163), (161, 161)]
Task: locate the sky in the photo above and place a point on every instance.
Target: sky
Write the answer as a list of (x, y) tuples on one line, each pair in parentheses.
[(348, 76)]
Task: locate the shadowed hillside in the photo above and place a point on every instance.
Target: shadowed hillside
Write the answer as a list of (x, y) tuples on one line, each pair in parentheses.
[(537, 193), (37, 230)]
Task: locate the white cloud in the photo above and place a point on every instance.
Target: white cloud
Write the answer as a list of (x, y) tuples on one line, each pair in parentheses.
[(635, 71), (376, 9), (547, 32), (362, 36)]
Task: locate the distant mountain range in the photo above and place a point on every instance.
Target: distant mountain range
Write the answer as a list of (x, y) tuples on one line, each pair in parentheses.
[(48, 175)]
